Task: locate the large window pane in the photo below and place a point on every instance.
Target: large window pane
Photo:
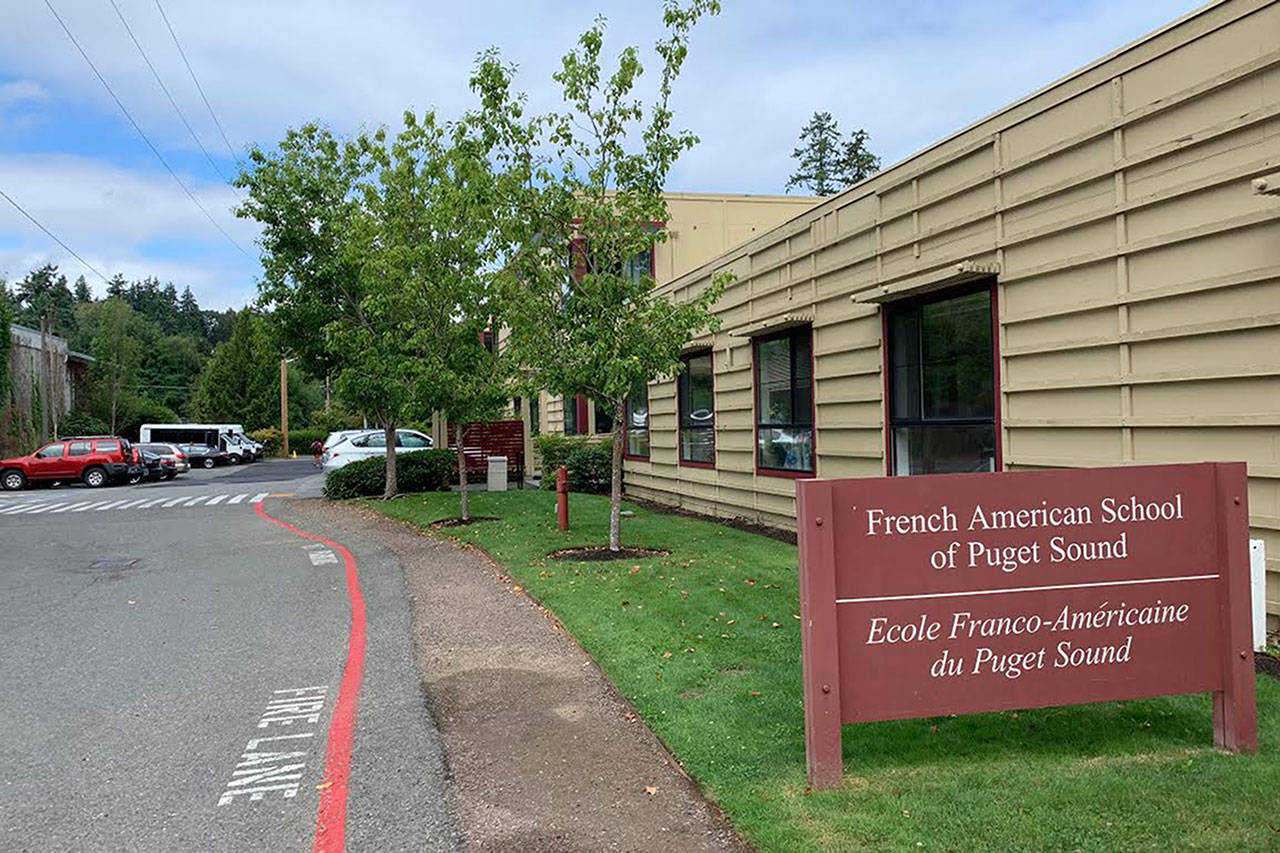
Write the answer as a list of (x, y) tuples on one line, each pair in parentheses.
[(785, 449), (638, 422), (696, 399), (698, 444), (956, 357), (773, 361), (604, 420), (942, 385), (944, 449), (570, 415), (784, 401)]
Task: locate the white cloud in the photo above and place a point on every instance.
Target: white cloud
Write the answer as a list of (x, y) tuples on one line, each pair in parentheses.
[(127, 221)]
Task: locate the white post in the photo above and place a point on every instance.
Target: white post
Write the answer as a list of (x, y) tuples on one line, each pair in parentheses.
[(1258, 584)]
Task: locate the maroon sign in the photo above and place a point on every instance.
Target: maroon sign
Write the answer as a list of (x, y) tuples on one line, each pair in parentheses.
[(959, 593)]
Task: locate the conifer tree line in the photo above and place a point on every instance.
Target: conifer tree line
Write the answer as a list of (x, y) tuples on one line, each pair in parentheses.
[(158, 356)]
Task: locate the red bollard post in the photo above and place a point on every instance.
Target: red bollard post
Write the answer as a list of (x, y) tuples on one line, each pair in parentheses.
[(562, 497)]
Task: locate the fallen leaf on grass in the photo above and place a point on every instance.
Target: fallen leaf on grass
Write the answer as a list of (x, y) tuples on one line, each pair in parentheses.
[(650, 790), (635, 569), (777, 624), (666, 654), (753, 692)]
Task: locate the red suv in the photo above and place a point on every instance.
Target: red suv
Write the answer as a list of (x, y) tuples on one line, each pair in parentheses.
[(96, 460)]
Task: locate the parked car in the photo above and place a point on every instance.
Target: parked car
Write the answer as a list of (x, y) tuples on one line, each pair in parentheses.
[(169, 451), (154, 467), (373, 442), (334, 437), (95, 460), (203, 455)]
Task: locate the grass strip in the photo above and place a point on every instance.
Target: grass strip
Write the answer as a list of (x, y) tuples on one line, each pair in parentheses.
[(705, 642)]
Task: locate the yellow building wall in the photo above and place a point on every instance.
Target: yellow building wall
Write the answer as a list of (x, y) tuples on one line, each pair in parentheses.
[(700, 227), (1138, 279)]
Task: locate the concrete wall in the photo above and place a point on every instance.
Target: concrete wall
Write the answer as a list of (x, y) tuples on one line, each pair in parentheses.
[(1138, 279)]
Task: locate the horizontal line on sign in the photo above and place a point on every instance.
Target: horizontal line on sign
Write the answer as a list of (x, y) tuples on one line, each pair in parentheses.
[(1022, 589)]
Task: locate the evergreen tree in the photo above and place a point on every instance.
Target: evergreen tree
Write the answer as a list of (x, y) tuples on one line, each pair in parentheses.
[(818, 156), (82, 292), (856, 161), (192, 321), (44, 294), (825, 164), (117, 286)]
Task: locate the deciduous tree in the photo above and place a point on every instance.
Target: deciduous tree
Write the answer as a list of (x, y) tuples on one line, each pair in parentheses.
[(587, 319)]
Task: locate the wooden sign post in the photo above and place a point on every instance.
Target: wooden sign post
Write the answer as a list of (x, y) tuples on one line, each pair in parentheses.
[(951, 594)]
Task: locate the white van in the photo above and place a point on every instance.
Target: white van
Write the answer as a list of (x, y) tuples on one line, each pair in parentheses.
[(228, 437)]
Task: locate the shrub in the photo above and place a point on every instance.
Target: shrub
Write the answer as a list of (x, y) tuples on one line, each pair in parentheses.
[(419, 471), (83, 423), (589, 462)]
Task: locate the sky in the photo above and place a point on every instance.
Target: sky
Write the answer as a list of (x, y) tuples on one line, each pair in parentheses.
[(909, 72)]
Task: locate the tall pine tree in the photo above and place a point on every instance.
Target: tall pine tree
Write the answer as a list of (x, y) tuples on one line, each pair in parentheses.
[(825, 164)]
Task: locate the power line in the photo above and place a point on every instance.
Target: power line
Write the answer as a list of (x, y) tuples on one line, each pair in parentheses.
[(165, 89), (199, 88), (53, 236), (145, 138)]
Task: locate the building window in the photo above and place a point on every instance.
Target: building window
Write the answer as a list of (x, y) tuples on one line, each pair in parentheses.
[(535, 414), (575, 415), (941, 363), (696, 391), (784, 401), (604, 420), (638, 422), (516, 405)]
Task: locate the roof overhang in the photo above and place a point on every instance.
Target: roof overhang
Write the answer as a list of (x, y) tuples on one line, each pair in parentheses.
[(947, 276), (773, 324)]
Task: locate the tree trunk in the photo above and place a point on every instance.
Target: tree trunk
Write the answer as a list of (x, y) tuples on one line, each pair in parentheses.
[(615, 488), (458, 434), (389, 429), (328, 392)]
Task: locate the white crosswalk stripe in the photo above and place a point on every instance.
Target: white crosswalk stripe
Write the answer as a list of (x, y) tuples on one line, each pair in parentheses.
[(68, 503)]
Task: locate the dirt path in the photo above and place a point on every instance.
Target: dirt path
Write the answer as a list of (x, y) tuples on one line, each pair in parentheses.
[(542, 755)]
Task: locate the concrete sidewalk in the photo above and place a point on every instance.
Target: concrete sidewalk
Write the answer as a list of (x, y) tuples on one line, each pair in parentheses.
[(543, 753)]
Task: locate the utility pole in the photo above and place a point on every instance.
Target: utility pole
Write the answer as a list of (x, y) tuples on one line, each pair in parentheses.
[(284, 405)]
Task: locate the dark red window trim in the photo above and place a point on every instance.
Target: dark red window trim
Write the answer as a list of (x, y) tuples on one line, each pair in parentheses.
[(626, 430), (885, 368), (686, 463), (755, 407)]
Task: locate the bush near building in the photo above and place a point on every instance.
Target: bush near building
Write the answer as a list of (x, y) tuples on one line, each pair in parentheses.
[(420, 471), (587, 459)]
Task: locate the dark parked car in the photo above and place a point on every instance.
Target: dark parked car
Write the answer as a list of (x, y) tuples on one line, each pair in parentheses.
[(96, 460), (204, 456), (154, 467)]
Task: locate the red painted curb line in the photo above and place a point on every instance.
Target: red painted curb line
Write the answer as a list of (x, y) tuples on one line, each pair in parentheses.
[(331, 819)]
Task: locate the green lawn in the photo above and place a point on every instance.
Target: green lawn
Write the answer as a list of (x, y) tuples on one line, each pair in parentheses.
[(706, 644)]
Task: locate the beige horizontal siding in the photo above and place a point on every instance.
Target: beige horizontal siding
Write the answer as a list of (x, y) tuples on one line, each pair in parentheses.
[(1139, 285)]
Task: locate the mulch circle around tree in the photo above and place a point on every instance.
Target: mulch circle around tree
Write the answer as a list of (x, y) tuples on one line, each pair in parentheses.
[(1267, 664), (462, 522), (600, 554)]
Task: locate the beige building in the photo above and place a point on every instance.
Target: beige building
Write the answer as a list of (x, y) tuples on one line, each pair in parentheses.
[(700, 226), (1089, 277)]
